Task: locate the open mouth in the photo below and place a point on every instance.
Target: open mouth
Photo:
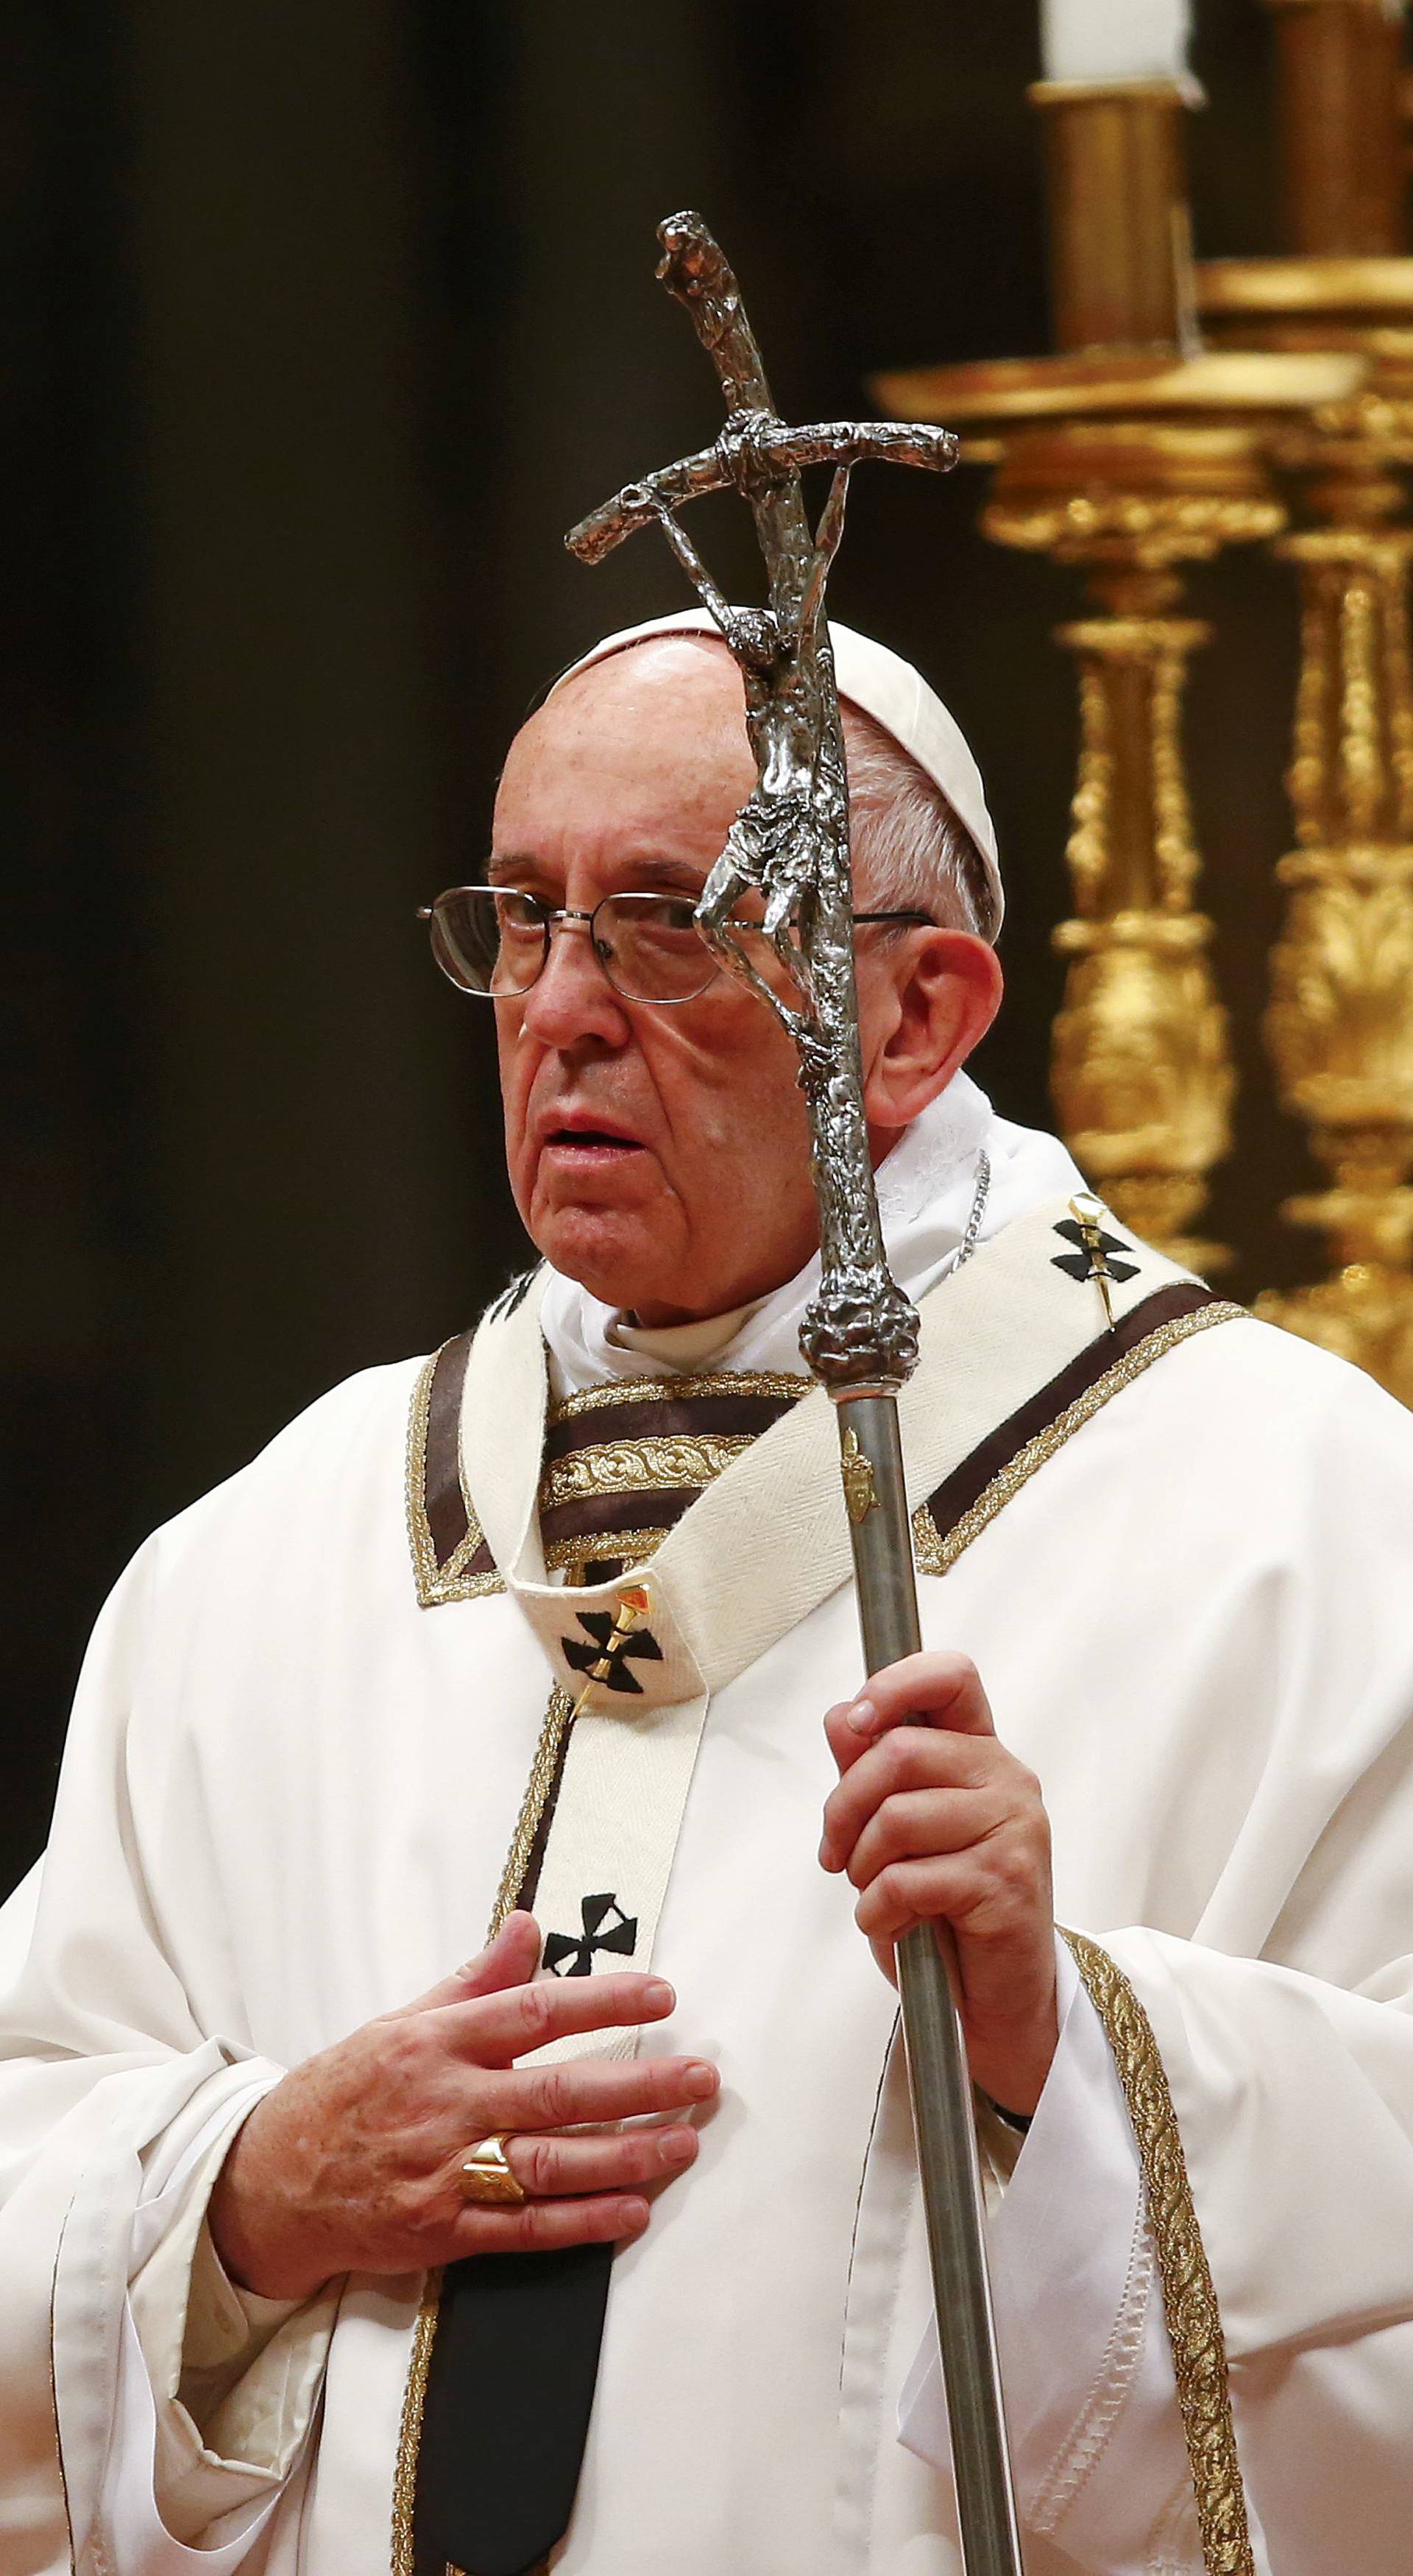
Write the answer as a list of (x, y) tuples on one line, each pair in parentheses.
[(591, 1140)]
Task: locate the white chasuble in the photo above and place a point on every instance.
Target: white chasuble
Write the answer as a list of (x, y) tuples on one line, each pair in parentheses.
[(299, 1761)]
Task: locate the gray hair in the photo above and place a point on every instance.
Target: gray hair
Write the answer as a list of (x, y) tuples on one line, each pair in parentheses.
[(910, 851)]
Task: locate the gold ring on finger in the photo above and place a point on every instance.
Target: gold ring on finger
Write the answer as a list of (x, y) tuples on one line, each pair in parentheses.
[(486, 2179)]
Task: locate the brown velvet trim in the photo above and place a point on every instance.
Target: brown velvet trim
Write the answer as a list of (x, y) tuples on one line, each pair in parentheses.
[(443, 1500), (673, 1417), (955, 1496), (595, 1515)]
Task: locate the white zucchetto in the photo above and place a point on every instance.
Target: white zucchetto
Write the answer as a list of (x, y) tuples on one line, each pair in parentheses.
[(887, 688)]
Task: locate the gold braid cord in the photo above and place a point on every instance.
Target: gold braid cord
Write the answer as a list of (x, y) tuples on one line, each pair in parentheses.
[(543, 1773), (409, 2438), (1189, 2298), (522, 1844)]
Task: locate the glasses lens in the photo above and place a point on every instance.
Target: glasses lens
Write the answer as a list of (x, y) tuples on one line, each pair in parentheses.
[(650, 948), (489, 939), (762, 955)]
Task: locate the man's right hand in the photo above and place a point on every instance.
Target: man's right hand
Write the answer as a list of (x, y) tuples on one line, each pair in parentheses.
[(351, 2164)]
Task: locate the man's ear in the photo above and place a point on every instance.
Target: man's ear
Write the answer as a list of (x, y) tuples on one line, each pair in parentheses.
[(920, 1023)]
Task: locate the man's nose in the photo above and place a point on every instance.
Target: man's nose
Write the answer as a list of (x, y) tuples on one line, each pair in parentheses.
[(571, 998)]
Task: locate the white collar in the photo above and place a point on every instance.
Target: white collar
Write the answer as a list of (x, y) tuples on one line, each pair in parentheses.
[(926, 1188)]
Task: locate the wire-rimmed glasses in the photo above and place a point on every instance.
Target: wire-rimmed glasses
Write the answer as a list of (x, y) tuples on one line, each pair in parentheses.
[(495, 940)]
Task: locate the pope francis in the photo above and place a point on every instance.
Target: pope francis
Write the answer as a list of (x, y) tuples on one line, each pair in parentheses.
[(323, 2255)]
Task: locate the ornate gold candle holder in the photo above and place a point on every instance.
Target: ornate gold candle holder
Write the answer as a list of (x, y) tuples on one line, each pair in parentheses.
[(1129, 455), (1136, 471), (1131, 466), (1340, 1022), (1141, 1070)]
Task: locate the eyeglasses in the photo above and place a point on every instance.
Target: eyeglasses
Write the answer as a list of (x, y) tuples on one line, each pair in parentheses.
[(494, 940)]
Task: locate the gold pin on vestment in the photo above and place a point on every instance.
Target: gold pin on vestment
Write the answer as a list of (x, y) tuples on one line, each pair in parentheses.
[(1088, 1214), (634, 1603)]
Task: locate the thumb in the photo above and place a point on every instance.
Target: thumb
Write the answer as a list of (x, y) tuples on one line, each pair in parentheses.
[(845, 1742), (509, 1960)]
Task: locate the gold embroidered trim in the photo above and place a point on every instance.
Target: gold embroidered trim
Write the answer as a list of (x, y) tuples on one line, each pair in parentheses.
[(935, 1554), (449, 1582), (414, 2396), (625, 1547), (1189, 2298), (409, 2436), (690, 1460), (532, 1806), (656, 1390), (654, 1465)]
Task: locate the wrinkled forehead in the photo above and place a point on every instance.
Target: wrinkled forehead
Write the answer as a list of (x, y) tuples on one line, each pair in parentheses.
[(694, 674), (673, 707), (682, 689), (647, 750)]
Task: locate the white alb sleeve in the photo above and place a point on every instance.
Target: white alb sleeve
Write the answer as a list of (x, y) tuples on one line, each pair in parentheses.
[(1096, 2435), (217, 2388)]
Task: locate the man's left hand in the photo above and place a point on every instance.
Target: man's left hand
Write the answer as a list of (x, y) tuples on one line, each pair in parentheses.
[(934, 1820)]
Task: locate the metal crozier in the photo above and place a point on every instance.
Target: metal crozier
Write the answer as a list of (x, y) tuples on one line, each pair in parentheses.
[(789, 846)]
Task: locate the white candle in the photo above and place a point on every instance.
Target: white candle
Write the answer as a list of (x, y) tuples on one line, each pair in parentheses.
[(1115, 40)]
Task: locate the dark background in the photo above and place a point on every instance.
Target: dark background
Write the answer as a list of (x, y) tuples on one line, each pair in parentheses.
[(322, 320)]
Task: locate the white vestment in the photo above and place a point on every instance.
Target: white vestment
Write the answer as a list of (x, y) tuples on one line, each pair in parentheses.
[(285, 1806)]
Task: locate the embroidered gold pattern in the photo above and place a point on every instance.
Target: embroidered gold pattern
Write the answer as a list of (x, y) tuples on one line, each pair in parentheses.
[(449, 1582), (656, 1465), (656, 1390), (1189, 2297), (532, 1806), (620, 1547), (409, 2437), (936, 1554)]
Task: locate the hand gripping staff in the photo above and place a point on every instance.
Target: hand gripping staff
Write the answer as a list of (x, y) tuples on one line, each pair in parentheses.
[(789, 845)]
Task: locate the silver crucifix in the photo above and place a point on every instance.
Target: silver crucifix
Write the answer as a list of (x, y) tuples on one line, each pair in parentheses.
[(790, 844), (791, 840)]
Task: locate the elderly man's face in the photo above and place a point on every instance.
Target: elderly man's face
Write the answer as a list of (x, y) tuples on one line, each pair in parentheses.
[(660, 1155)]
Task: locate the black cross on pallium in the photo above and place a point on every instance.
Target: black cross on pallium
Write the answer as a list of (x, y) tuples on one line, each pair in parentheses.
[(583, 1657), (1080, 1264), (566, 1957)]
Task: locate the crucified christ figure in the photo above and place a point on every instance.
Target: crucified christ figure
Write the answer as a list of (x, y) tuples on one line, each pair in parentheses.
[(773, 845)]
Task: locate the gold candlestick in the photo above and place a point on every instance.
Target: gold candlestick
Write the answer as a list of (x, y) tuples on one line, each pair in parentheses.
[(1339, 70), (1130, 455), (1340, 1021), (1117, 211), (1141, 1071)]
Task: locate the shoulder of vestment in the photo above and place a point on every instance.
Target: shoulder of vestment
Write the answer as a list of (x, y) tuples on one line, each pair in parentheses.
[(1288, 1402), (353, 1431)]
